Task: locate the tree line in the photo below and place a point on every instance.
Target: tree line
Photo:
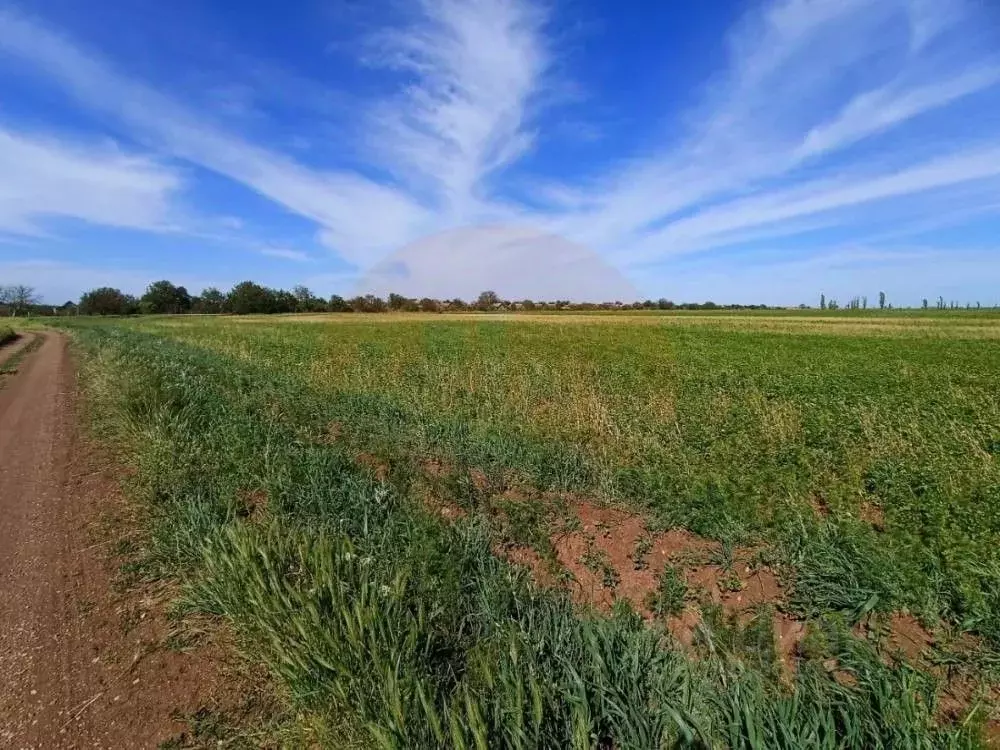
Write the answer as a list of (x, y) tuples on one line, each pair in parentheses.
[(855, 303), (247, 297), (18, 299), (861, 303)]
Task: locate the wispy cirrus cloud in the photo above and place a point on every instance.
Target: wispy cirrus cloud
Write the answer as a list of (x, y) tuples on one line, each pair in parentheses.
[(878, 110), (776, 209), (781, 139), (284, 253), (43, 177), (357, 215), (476, 67), (478, 70)]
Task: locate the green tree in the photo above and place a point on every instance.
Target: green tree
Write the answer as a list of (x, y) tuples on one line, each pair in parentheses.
[(924, 303), (211, 301), (369, 303), (108, 301), (822, 302), (486, 300), (284, 301), (248, 298), (338, 304), (881, 300), (163, 298), (375, 303), (397, 301), (306, 301)]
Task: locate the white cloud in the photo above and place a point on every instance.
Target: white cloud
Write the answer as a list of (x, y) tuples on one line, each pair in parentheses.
[(878, 110), (479, 66), (697, 232), (42, 178), (284, 253), (750, 118), (929, 18), (778, 130), (358, 216)]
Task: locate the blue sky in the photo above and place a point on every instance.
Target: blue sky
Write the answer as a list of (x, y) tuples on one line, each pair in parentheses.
[(735, 151)]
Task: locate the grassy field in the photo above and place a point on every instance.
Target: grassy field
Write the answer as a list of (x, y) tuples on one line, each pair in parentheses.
[(347, 492)]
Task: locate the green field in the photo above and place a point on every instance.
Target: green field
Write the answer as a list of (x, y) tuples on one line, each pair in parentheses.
[(295, 470)]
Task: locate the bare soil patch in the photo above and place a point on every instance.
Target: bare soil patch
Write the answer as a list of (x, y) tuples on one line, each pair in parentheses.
[(612, 555), (377, 466), (873, 516), (604, 555), (908, 637)]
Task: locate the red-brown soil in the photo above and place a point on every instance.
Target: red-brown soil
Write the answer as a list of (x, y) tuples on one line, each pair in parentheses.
[(8, 350), (608, 554), (612, 537), (82, 666)]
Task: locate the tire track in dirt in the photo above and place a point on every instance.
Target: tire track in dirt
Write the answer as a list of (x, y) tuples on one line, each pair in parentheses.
[(74, 672), (9, 350)]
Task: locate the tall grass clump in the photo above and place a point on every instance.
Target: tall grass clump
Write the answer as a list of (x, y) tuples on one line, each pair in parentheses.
[(392, 628), (7, 334)]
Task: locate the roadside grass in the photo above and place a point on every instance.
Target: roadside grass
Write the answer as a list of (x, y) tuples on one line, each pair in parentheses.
[(7, 334), (389, 626)]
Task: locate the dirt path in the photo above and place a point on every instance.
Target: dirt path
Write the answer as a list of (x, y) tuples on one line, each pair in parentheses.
[(7, 351), (80, 666)]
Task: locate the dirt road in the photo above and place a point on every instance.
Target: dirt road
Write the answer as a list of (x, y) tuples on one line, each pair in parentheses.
[(80, 666), (8, 351)]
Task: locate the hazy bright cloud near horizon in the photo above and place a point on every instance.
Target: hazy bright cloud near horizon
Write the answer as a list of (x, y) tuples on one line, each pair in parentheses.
[(737, 150)]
